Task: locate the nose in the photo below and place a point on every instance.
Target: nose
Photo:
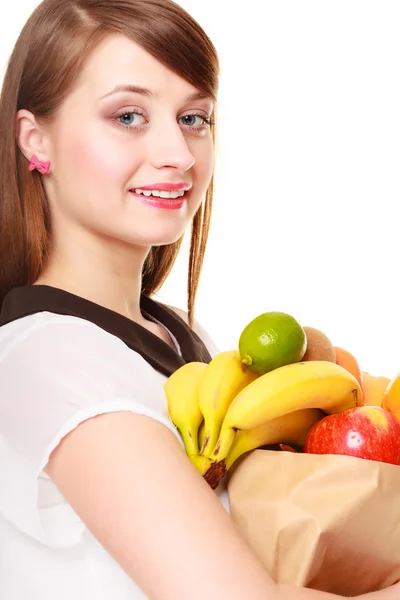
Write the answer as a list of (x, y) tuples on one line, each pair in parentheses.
[(168, 148)]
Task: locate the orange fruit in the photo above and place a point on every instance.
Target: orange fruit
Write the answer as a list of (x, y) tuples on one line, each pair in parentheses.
[(348, 361), (391, 397), (373, 389)]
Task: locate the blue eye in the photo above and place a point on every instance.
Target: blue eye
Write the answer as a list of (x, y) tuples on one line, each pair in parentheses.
[(135, 120), (131, 119), (190, 121), (127, 119)]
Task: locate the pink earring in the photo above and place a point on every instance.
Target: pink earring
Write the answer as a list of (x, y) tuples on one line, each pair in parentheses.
[(42, 167)]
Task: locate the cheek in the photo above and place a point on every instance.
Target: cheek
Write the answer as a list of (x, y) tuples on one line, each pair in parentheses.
[(96, 155), (204, 156)]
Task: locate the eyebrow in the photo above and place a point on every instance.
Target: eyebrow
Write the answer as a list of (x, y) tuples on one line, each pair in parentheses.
[(135, 89)]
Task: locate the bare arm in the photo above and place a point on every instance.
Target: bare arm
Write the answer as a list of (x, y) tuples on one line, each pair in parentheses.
[(129, 480)]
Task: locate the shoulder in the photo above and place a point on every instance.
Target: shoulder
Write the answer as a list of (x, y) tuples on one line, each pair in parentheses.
[(56, 328), (63, 368), (60, 343), (198, 329)]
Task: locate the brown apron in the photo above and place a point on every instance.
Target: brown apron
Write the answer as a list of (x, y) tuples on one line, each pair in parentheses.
[(30, 299)]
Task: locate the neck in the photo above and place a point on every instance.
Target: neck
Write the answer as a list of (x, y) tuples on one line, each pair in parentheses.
[(109, 274)]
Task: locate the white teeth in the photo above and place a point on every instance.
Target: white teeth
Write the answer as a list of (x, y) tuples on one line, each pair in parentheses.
[(159, 193)]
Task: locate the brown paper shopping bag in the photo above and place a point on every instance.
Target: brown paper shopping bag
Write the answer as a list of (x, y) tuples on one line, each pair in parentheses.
[(326, 522)]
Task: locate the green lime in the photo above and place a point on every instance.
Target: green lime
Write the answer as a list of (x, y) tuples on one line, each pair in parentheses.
[(272, 340)]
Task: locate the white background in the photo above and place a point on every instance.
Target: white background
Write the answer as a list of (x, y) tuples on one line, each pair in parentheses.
[(308, 187)]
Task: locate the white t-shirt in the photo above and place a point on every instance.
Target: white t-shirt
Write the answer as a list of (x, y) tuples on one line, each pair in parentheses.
[(46, 552)]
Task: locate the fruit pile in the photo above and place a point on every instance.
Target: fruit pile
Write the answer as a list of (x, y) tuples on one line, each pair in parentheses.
[(285, 387)]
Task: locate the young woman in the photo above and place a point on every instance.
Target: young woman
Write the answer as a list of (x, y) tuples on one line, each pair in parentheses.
[(106, 129)]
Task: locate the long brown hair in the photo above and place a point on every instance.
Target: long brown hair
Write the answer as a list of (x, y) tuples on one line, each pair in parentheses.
[(46, 61)]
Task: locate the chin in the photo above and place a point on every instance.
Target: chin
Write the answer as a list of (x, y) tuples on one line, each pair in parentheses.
[(164, 240), (163, 237), (159, 230)]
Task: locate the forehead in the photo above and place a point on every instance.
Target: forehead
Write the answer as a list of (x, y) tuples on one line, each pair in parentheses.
[(117, 60)]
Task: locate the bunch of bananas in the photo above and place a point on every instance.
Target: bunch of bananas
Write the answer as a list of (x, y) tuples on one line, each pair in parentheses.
[(223, 409)]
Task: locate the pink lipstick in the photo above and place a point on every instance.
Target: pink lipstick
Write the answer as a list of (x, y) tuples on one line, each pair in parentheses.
[(143, 194), (169, 203)]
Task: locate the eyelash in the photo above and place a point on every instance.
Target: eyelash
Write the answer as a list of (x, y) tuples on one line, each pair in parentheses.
[(207, 121)]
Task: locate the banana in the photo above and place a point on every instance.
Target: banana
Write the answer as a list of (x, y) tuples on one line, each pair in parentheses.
[(314, 384), (202, 463), (289, 429), (223, 379), (181, 389), (201, 434)]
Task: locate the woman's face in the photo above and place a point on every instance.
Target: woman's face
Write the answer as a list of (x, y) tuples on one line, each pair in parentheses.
[(109, 139)]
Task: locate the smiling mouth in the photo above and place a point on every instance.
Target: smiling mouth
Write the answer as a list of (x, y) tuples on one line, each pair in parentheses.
[(168, 200), (173, 195)]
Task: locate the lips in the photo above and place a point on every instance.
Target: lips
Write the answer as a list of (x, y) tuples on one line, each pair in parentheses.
[(166, 187), (157, 202)]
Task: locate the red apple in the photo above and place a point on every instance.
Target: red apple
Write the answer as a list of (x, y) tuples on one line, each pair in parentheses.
[(366, 432)]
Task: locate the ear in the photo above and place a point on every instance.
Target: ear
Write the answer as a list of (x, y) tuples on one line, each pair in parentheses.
[(30, 136)]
